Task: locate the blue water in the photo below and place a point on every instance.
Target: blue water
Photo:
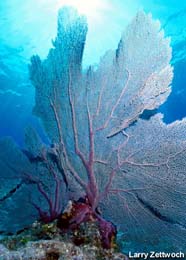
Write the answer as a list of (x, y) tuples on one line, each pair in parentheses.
[(27, 27)]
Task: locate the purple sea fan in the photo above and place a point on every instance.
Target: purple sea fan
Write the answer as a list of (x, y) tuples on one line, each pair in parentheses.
[(129, 168), (123, 164)]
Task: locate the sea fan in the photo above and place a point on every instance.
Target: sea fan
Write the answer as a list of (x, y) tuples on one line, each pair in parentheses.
[(103, 150)]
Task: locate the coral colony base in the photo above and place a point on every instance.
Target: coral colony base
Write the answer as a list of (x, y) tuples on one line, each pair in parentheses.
[(113, 163)]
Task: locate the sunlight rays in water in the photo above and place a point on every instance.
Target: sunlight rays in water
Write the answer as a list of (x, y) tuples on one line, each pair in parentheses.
[(91, 8)]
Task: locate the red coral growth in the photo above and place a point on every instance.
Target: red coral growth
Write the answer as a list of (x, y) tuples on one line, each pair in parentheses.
[(78, 212)]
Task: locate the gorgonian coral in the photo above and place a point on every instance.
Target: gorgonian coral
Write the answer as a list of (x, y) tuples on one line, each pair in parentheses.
[(104, 151)]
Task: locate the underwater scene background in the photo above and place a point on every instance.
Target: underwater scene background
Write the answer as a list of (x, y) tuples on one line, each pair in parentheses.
[(28, 27)]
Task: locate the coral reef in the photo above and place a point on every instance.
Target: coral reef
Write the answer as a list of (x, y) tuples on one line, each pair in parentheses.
[(46, 242)]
